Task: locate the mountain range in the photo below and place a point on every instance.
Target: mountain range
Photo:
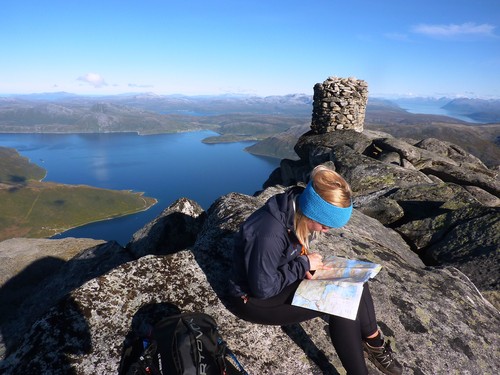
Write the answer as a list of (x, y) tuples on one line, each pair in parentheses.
[(481, 110), (276, 121)]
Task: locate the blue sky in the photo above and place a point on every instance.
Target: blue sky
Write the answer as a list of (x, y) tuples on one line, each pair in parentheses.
[(265, 47)]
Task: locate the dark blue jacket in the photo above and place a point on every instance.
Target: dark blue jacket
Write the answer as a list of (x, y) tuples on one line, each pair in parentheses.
[(267, 256)]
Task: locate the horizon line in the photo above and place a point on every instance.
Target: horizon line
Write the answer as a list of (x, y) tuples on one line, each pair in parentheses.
[(233, 94)]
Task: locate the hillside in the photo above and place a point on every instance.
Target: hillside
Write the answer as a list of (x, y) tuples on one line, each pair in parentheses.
[(478, 109), (17, 169), (93, 117), (31, 208), (293, 104), (233, 118)]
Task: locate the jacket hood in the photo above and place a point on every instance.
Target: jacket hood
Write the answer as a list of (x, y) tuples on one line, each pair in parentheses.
[(281, 206)]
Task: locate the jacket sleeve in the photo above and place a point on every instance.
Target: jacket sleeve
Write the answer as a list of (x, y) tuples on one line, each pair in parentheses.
[(267, 269)]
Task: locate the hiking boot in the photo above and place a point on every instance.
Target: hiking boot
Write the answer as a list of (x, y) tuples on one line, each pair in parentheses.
[(382, 358)]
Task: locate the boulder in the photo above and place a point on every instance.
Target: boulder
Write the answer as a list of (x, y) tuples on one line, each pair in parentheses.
[(471, 244), (385, 210), (184, 217), (449, 150), (482, 196), (465, 175)]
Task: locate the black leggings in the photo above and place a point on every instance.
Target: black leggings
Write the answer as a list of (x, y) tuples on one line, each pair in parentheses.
[(346, 334)]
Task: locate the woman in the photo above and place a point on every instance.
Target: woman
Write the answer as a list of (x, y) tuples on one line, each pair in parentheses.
[(272, 256)]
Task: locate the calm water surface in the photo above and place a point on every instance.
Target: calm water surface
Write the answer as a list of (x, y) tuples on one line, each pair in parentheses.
[(431, 109), (166, 167)]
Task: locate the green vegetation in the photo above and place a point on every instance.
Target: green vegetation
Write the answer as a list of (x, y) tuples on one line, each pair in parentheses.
[(31, 208), (16, 169)]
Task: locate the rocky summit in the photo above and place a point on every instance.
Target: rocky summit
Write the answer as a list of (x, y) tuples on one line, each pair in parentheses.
[(425, 210)]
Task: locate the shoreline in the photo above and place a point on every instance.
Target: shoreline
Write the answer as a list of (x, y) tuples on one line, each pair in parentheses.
[(101, 220)]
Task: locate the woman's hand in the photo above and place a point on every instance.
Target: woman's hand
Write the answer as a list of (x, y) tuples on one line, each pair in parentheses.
[(315, 263), (309, 275)]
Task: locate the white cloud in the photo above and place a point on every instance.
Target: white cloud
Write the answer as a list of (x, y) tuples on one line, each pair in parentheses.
[(94, 79), (452, 30)]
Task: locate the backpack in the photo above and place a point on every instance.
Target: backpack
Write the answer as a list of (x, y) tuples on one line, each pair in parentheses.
[(183, 344)]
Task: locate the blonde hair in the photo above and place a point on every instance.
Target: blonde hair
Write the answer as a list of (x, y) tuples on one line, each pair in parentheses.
[(330, 186)]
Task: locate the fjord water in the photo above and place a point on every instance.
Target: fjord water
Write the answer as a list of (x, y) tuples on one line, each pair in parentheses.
[(165, 167), (430, 109)]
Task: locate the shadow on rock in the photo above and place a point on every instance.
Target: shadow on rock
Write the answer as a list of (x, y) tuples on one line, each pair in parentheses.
[(303, 341), (63, 332), (41, 285)]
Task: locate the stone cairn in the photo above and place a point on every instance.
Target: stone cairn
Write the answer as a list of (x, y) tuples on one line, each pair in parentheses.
[(339, 103)]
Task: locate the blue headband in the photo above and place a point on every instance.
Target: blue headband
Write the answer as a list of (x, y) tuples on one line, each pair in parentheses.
[(321, 211)]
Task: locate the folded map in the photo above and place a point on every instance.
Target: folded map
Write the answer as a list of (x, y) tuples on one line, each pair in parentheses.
[(336, 291)]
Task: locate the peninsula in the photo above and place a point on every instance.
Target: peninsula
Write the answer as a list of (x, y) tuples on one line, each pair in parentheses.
[(34, 208)]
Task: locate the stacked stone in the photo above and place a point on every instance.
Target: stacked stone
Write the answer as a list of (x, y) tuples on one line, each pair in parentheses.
[(339, 103)]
